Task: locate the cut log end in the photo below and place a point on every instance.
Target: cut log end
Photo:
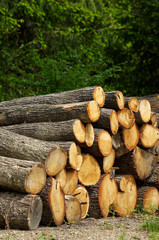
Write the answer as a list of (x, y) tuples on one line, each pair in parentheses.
[(61, 177), (73, 209), (131, 137), (71, 182), (145, 110), (149, 135), (35, 213), (108, 161), (57, 202), (75, 157), (133, 104), (82, 195), (99, 96), (104, 143), (79, 131), (89, 173), (153, 119), (114, 123), (151, 200), (120, 99), (126, 200), (93, 111), (107, 194), (126, 118), (55, 161), (35, 179), (89, 135)]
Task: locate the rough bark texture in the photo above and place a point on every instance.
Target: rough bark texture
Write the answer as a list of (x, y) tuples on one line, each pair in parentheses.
[(114, 100), (153, 180), (139, 163), (20, 211), (119, 145), (53, 203), (108, 120), (79, 95), (22, 147), (71, 130), (85, 111), (21, 176)]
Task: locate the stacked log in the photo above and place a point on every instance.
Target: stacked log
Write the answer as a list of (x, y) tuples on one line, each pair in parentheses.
[(76, 153)]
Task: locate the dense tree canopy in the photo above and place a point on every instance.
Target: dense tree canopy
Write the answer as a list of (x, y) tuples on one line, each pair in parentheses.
[(56, 45)]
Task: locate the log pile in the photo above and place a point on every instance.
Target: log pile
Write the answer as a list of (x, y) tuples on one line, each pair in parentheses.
[(67, 155)]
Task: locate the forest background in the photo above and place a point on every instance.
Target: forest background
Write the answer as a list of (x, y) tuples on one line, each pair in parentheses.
[(57, 45)]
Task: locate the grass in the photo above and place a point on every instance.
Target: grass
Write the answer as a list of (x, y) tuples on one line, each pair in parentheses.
[(151, 224), (45, 236)]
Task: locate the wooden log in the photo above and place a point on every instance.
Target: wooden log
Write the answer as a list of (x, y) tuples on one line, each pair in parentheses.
[(138, 162), (153, 100), (126, 118), (71, 182), (131, 137), (114, 100), (73, 209), (108, 120), (90, 172), (152, 180), (85, 111), (82, 195), (80, 95), (108, 162), (153, 120), (22, 147), (21, 176), (149, 197), (53, 203), (90, 135), (71, 130), (102, 195), (132, 103), (119, 145), (61, 177), (20, 211), (149, 135), (144, 113), (126, 199)]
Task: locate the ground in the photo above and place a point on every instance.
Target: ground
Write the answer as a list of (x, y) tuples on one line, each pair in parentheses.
[(111, 228)]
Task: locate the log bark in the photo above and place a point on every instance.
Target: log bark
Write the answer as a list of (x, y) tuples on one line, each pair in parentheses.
[(73, 209), (132, 103), (144, 113), (82, 195), (80, 95), (153, 180), (149, 135), (139, 163), (114, 100), (21, 176), (90, 172), (85, 111), (108, 120), (126, 199), (53, 203), (20, 211), (71, 130), (126, 118), (131, 137), (71, 182), (149, 197)]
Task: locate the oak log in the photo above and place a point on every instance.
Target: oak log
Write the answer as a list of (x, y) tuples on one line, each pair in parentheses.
[(20, 211)]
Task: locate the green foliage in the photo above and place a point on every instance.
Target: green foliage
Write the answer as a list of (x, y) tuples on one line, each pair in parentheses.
[(152, 226), (50, 46)]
